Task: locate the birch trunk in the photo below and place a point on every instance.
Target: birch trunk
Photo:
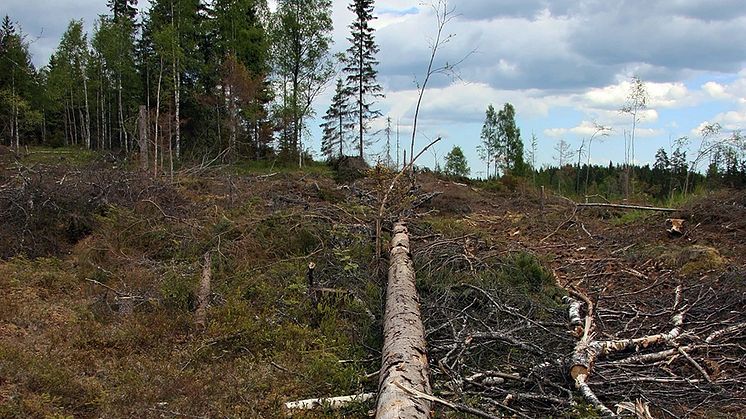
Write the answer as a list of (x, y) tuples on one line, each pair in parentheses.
[(87, 126), (156, 140), (404, 361), (143, 140)]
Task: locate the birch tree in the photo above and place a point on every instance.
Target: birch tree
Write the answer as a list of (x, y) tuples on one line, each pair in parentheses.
[(301, 38)]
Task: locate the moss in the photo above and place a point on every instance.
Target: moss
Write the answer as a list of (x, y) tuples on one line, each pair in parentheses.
[(631, 217), (693, 259)]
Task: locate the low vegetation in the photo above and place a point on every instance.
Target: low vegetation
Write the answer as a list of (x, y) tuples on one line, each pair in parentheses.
[(102, 266)]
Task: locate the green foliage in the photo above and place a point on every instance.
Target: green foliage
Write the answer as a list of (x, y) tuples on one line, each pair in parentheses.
[(360, 66), (456, 164), (451, 226), (337, 122), (54, 385), (523, 269), (177, 292), (267, 167), (19, 91), (631, 217), (502, 146), (301, 37), (70, 156)]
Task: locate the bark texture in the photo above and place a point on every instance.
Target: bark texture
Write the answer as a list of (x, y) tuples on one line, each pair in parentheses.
[(203, 295), (404, 363), (142, 123)]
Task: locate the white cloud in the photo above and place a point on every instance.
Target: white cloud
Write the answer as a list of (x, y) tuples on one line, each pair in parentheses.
[(715, 90), (660, 95), (555, 132), (732, 120)]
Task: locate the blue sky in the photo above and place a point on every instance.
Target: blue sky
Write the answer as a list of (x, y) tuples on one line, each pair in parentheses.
[(563, 64)]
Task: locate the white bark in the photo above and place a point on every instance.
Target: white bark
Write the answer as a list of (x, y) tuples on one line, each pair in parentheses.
[(143, 137), (331, 402)]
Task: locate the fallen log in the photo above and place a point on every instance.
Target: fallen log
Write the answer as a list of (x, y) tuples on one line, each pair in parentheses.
[(404, 356), (624, 206), (330, 402)]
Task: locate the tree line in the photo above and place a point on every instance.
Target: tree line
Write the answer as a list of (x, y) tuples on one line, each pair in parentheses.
[(186, 78), (714, 160)]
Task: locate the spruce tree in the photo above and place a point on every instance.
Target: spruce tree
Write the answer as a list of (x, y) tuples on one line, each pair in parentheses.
[(17, 83), (336, 123), (123, 9), (361, 67)]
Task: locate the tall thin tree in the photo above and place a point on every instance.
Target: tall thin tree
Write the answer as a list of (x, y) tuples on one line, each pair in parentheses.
[(337, 122), (361, 67)]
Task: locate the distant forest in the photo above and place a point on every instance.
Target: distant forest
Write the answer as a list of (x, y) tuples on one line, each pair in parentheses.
[(233, 80)]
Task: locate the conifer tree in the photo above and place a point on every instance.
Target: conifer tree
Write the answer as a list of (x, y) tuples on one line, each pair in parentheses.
[(336, 123), (17, 82), (361, 67), (238, 39), (123, 9)]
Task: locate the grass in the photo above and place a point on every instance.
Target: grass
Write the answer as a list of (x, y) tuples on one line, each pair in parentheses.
[(66, 350), (629, 217), (69, 155), (265, 167)]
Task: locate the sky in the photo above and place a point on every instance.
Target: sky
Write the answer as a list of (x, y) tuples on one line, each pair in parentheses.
[(563, 64)]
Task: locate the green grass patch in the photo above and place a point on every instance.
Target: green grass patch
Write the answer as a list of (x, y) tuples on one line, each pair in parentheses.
[(71, 156), (631, 217), (265, 167)]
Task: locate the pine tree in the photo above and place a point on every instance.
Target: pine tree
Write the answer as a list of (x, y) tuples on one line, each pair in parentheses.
[(123, 9), (361, 67), (17, 83), (337, 122), (388, 132)]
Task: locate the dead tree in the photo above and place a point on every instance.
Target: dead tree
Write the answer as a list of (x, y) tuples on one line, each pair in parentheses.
[(404, 365), (203, 294)]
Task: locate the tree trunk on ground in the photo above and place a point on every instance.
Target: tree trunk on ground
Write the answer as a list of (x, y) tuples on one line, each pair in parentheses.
[(330, 402), (623, 206), (404, 353)]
